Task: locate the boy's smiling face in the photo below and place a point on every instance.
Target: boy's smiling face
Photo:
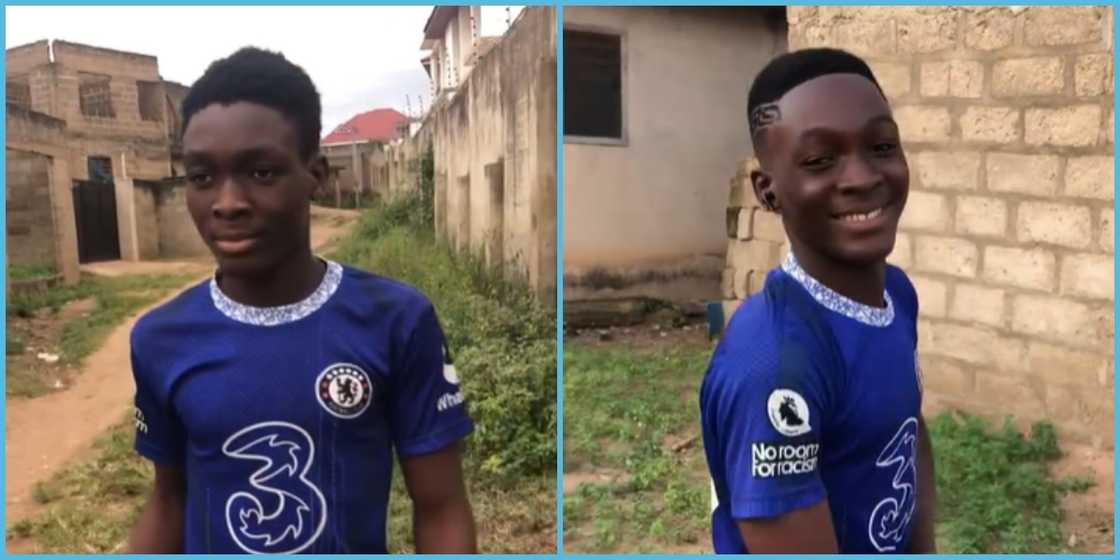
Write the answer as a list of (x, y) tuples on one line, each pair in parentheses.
[(249, 188), (834, 163)]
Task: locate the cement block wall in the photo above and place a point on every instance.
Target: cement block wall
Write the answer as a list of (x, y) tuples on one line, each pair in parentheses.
[(35, 133), (178, 237), (503, 113), (147, 221), (30, 223), (1006, 116)]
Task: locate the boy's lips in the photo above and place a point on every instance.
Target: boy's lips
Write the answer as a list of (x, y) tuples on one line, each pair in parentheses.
[(236, 245)]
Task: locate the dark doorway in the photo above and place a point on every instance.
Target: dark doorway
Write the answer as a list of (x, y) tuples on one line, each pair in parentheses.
[(95, 214)]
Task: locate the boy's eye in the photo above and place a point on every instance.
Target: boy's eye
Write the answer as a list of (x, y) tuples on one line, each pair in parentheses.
[(884, 147), (817, 162), (263, 174), (199, 179)]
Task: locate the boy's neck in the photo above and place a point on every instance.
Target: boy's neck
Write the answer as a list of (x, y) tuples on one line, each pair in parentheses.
[(290, 282), (861, 283)]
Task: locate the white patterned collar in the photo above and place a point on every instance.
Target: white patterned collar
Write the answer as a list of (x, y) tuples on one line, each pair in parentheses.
[(866, 314), (279, 315)]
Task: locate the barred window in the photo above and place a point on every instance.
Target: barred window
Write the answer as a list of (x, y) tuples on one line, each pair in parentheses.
[(94, 95)]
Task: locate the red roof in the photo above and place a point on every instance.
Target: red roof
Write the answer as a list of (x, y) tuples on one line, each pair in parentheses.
[(379, 125)]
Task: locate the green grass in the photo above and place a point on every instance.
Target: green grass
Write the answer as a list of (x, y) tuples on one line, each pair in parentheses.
[(19, 272), (622, 407), (91, 505), (116, 299), (995, 493)]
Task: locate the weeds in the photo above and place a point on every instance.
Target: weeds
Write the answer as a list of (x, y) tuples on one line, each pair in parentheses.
[(995, 494)]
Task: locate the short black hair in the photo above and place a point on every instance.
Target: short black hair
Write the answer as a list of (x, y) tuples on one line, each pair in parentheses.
[(793, 69), (266, 78)]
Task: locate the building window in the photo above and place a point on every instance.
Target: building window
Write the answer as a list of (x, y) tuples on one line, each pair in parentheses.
[(149, 98), (592, 84), (94, 95), (100, 169), (19, 92)]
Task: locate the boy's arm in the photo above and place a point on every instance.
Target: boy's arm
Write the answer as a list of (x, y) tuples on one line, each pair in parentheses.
[(442, 521), (922, 539), (159, 530), (802, 531)]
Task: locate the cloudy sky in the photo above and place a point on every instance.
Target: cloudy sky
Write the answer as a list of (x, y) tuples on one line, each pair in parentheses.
[(360, 57)]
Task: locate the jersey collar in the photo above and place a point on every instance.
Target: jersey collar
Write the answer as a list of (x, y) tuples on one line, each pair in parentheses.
[(279, 315), (854, 310)]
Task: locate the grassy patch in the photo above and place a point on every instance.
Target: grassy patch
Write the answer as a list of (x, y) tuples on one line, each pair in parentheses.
[(631, 435), (623, 405), (73, 336), (91, 505), (994, 491), (19, 272)]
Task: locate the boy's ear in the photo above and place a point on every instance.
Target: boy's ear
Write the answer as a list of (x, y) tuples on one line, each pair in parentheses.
[(763, 185)]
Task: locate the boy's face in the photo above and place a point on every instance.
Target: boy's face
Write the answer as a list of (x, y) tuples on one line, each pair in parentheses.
[(834, 163), (249, 190)]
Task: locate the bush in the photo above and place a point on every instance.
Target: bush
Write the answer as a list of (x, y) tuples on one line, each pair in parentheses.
[(502, 337)]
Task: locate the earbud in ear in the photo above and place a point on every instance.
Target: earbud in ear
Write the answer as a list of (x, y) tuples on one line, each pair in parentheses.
[(770, 201)]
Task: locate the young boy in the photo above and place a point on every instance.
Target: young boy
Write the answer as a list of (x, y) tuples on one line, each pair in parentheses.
[(811, 406), (270, 397)]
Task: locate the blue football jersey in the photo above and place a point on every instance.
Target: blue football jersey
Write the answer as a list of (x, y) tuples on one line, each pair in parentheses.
[(812, 396), (285, 418)]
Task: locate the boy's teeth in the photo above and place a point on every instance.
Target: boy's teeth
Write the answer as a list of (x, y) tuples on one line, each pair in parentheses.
[(862, 217)]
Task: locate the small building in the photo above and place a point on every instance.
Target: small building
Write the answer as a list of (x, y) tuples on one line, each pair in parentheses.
[(655, 121), (91, 136), (355, 151)]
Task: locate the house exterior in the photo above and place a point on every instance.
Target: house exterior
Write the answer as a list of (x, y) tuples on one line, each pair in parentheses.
[(355, 151), (92, 134), (655, 104)]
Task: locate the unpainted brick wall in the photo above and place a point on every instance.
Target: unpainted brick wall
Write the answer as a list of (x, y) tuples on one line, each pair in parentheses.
[(30, 223), (1007, 116)]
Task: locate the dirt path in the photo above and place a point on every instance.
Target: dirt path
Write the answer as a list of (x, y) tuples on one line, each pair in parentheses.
[(1087, 516), (45, 433)]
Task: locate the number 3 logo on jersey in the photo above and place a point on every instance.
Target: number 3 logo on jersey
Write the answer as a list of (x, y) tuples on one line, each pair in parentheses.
[(280, 511)]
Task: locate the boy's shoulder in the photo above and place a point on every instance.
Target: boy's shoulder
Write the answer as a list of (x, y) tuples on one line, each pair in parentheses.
[(772, 324), (900, 288), (184, 310), (381, 294)]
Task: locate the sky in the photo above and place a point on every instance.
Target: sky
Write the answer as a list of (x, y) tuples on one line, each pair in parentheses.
[(360, 57)]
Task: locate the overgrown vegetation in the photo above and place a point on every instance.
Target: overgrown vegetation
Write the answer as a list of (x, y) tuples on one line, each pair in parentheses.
[(635, 484), (112, 300), (995, 494)]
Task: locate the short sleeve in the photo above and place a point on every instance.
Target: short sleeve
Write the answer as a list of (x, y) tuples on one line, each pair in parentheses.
[(160, 436), (427, 407), (766, 411)]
